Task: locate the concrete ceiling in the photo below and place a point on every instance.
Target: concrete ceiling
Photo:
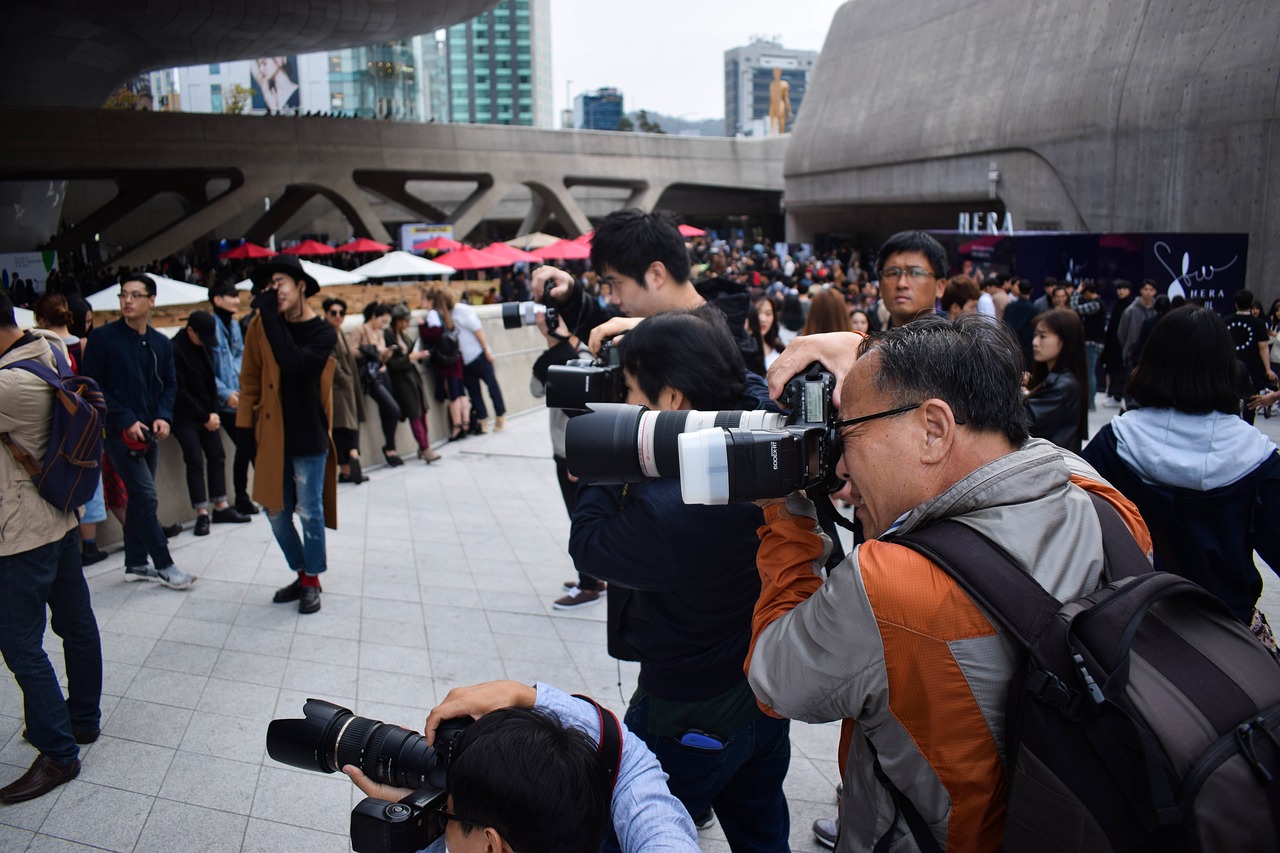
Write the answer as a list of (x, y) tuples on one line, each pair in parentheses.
[(74, 53)]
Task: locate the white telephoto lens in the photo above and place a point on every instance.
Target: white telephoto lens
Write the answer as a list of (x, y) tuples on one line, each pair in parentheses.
[(704, 467)]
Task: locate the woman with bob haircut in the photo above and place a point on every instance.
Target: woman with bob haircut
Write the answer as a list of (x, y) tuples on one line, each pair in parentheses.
[(827, 313), (1207, 483), (1057, 393)]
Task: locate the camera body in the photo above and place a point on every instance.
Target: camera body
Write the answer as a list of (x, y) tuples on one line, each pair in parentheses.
[(580, 383), (329, 737), (719, 457)]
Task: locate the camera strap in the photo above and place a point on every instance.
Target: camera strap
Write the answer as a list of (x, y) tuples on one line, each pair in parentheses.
[(827, 510), (610, 749)]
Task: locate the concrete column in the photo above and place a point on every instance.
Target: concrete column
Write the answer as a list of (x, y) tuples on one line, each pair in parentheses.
[(561, 203), (536, 218), (477, 205), (645, 195)]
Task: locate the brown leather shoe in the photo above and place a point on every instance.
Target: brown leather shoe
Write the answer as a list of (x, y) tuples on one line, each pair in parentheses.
[(44, 775)]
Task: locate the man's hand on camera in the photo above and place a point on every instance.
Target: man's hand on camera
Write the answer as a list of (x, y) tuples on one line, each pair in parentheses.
[(377, 790), (836, 351), (477, 700), (546, 276), (611, 328)]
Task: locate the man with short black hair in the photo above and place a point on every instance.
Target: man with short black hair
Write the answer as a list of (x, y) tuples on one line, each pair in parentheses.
[(913, 275), (228, 356), (1018, 316), (1130, 331), (1253, 348), (40, 568), (1113, 349), (133, 364)]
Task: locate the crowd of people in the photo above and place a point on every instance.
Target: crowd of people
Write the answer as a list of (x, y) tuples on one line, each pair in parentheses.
[(957, 399)]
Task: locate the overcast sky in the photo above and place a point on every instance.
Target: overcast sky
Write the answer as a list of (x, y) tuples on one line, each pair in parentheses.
[(667, 56)]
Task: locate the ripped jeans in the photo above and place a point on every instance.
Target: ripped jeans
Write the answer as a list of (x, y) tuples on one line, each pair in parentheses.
[(304, 495)]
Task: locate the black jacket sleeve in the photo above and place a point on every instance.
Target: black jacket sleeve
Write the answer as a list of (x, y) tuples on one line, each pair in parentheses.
[(1053, 410), (295, 359)]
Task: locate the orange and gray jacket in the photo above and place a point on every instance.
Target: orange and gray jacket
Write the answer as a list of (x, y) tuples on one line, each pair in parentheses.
[(892, 646)]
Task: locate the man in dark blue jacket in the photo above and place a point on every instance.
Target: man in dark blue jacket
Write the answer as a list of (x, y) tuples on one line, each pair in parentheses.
[(133, 364), (683, 585)]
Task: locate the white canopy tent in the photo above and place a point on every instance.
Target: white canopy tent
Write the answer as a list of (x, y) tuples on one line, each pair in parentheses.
[(403, 265), (325, 276)]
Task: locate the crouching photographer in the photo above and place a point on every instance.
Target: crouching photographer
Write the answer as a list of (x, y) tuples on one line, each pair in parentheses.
[(539, 771), (683, 583)]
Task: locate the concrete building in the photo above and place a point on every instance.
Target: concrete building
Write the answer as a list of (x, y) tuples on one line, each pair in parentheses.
[(1070, 115), (748, 72), (498, 66), (598, 110)]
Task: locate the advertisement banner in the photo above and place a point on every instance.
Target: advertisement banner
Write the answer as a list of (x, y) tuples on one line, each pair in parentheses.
[(418, 231), (23, 274), (274, 81)]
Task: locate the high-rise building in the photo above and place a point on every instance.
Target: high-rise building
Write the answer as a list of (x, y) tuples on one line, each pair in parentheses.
[(748, 73), (498, 66), (598, 110)]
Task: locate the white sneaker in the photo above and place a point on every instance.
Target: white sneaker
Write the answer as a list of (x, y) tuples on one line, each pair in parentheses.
[(174, 578), (576, 597)]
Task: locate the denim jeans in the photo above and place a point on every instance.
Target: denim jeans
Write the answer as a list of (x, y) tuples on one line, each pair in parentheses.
[(303, 494), (473, 373), (742, 781), (51, 575), (143, 535), (1092, 350)]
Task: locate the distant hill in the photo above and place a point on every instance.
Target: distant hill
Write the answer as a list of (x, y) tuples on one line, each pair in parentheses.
[(674, 125)]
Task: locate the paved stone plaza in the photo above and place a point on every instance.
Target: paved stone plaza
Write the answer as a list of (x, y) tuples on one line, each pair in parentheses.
[(439, 576)]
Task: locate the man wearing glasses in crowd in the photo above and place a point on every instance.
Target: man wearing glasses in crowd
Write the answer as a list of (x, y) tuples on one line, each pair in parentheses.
[(913, 274), (133, 364)]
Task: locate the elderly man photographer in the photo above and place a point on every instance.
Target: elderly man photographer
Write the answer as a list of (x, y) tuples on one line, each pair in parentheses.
[(932, 428), (527, 777)]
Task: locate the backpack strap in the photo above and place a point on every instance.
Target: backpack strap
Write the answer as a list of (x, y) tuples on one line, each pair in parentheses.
[(43, 372), (610, 750)]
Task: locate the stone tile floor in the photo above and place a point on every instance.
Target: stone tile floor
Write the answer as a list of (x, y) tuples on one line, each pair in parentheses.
[(439, 575)]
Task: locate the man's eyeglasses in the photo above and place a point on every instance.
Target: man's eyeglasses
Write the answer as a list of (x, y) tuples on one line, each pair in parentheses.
[(337, 312), (915, 274), (133, 295), (840, 426), (443, 817)]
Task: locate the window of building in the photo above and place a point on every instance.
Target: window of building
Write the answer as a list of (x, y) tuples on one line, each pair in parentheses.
[(335, 63), (335, 100), (215, 97), (215, 68)]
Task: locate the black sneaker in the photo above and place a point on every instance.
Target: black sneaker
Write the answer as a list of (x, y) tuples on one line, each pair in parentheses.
[(172, 530), (91, 553), (706, 820), (309, 601), (229, 515), (202, 524), (292, 592), (245, 506), (357, 473)]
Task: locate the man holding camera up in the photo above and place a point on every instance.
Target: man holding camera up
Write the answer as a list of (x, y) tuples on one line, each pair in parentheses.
[(683, 583), (932, 429), (133, 364)]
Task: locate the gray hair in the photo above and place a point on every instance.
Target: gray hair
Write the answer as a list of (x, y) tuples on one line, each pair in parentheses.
[(971, 363)]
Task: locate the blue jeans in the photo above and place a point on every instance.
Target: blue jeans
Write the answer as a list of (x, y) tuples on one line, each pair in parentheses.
[(742, 780), (142, 532), (1092, 351), (51, 575), (473, 373), (303, 494)]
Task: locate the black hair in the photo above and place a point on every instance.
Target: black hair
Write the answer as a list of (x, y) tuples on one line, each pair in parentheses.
[(1073, 358), (1188, 364), (375, 309), (1121, 282), (147, 281), (80, 311), (771, 337), (332, 301), (915, 241), (539, 784), (7, 320), (1244, 300), (971, 363), (629, 241), (690, 351), (1149, 281)]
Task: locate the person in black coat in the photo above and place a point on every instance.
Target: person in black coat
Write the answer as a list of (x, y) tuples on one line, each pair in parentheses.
[(1019, 316), (1112, 351), (1056, 402), (197, 425)]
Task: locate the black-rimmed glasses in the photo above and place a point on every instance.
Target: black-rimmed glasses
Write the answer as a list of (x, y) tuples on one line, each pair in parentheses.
[(840, 426)]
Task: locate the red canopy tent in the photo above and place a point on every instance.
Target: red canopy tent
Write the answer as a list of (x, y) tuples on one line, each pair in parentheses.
[(247, 250), (565, 250), (584, 239), (690, 231), (472, 259), (311, 247), (511, 253), (437, 244), (364, 244)]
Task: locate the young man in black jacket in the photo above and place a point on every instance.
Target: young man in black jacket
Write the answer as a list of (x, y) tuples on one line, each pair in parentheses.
[(197, 424)]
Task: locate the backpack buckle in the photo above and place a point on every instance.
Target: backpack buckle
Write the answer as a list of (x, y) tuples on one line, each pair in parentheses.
[(1049, 689)]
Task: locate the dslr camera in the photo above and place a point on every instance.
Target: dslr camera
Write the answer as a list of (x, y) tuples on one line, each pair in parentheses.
[(329, 737), (580, 383), (719, 457)]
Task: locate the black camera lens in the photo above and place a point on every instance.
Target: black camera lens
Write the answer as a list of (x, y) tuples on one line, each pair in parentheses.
[(330, 737)]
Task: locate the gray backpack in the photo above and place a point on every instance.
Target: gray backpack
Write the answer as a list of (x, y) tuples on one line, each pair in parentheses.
[(1143, 716)]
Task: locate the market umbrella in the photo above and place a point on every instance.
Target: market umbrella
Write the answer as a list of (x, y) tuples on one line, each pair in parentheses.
[(437, 244), (168, 292), (311, 247), (402, 265), (246, 250), (584, 239), (511, 253), (565, 250), (364, 244), (472, 259), (536, 240), (690, 231), (324, 276)]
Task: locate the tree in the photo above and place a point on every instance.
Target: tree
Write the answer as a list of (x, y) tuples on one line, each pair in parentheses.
[(626, 124), (122, 99), (237, 99), (647, 125)]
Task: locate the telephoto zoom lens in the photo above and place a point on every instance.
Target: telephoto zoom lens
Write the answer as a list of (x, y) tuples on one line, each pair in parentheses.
[(329, 737), (620, 443), (720, 466), (517, 314)]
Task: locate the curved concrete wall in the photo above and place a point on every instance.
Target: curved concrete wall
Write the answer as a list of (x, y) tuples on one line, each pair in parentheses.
[(514, 353), (1159, 115)]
